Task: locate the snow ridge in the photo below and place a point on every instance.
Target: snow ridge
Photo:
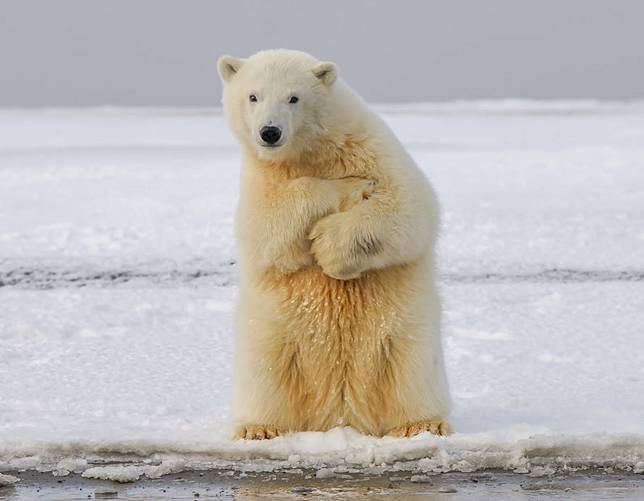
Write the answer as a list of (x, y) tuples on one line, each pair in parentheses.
[(341, 450)]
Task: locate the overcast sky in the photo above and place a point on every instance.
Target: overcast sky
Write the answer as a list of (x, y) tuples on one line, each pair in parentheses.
[(164, 52)]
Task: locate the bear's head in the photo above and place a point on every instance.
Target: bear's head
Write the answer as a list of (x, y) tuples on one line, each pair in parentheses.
[(276, 101)]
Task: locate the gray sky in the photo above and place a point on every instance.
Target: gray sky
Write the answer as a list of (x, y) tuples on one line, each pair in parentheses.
[(164, 52)]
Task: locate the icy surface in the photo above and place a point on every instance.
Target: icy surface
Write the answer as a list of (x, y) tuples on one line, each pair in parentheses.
[(117, 283), (8, 480)]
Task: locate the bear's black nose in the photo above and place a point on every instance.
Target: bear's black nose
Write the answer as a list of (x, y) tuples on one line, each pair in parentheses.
[(270, 135)]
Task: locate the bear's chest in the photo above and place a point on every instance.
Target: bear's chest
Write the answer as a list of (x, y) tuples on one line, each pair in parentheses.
[(328, 160)]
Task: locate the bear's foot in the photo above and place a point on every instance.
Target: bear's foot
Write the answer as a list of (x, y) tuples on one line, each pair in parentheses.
[(440, 428), (258, 432)]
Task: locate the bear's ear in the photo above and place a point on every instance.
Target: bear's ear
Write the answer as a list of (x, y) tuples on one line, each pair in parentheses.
[(228, 66), (326, 72)]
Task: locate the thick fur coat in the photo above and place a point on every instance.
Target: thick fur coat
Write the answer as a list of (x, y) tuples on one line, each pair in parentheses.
[(339, 316)]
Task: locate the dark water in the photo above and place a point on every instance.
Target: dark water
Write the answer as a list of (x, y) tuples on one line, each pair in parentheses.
[(304, 485)]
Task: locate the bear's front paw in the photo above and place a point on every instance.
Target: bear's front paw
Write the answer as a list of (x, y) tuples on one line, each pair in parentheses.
[(354, 190), (440, 428), (257, 432), (330, 245)]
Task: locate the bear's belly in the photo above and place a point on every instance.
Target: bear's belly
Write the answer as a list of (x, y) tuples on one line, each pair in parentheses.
[(341, 340), (320, 305)]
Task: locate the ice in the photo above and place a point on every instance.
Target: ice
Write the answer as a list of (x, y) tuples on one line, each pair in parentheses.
[(8, 480), (118, 281), (131, 473), (69, 465)]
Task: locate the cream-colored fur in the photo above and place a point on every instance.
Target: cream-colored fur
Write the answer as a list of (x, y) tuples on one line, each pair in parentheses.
[(339, 317)]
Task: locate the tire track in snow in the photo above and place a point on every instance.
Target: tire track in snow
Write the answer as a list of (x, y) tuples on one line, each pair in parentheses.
[(550, 275), (53, 277)]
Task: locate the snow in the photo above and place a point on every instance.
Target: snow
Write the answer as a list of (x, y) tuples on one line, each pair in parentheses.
[(118, 279)]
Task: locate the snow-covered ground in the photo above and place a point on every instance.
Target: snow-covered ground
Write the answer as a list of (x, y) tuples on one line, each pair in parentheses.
[(117, 282)]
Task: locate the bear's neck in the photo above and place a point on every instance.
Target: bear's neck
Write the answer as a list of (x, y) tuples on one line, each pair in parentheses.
[(327, 158)]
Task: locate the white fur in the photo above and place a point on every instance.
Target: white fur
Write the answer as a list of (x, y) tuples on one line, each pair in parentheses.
[(299, 213)]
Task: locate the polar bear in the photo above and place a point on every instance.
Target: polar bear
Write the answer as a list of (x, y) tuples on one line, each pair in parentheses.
[(338, 322)]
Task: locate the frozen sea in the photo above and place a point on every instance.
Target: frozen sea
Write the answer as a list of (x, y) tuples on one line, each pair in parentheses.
[(118, 280)]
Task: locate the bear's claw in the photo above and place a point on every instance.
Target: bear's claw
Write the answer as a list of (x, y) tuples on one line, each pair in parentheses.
[(257, 432), (440, 428), (359, 190)]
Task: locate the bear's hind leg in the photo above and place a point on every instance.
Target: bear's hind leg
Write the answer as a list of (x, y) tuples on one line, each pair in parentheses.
[(268, 383)]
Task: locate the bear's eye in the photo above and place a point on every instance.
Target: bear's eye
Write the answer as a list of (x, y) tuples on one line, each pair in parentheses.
[(293, 99), (252, 98)]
